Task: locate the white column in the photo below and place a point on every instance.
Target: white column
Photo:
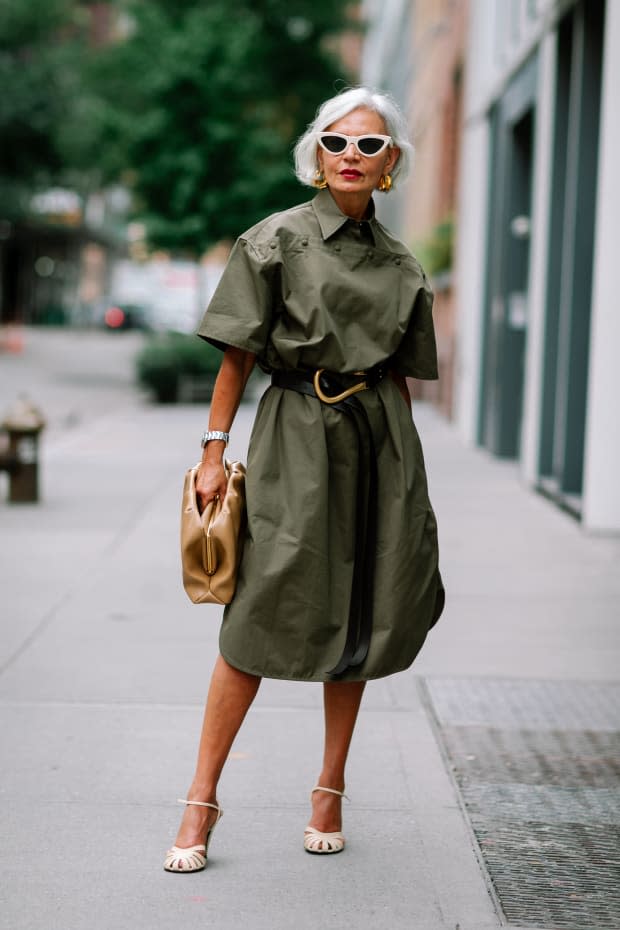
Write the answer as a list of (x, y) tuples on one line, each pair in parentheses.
[(470, 273), (472, 213), (601, 497), (539, 248)]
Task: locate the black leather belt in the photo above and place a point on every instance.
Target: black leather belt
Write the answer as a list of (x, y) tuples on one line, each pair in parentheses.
[(339, 392)]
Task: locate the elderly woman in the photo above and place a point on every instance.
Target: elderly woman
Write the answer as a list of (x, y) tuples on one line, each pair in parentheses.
[(339, 580)]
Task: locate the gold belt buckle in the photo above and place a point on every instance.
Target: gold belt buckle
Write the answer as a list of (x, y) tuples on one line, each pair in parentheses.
[(361, 386)]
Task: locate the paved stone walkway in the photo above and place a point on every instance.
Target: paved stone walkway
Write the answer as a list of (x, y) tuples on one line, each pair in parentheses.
[(104, 666)]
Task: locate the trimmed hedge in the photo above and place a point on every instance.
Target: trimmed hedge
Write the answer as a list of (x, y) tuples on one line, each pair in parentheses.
[(165, 359)]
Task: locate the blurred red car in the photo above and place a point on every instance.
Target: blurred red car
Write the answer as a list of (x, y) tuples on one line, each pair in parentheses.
[(125, 316)]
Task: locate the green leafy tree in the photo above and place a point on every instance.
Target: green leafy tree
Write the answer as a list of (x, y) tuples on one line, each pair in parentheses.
[(205, 100), (39, 50)]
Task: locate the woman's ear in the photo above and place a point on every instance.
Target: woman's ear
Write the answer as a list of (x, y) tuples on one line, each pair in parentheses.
[(390, 162)]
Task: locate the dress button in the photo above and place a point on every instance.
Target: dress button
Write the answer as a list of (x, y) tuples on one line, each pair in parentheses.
[(304, 242), (397, 261), (273, 245), (337, 247), (369, 253)]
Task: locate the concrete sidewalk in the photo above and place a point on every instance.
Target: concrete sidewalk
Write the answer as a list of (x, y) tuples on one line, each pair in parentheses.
[(105, 664)]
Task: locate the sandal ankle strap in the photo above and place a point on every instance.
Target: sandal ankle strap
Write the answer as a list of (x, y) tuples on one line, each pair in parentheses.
[(340, 794), (216, 807)]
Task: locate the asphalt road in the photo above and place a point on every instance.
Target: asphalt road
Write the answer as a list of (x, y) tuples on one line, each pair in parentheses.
[(73, 376)]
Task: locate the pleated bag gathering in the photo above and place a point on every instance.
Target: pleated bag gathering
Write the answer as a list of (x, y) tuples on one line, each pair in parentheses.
[(212, 541)]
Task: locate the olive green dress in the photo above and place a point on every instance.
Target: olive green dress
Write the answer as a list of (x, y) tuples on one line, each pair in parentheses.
[(304, 289)]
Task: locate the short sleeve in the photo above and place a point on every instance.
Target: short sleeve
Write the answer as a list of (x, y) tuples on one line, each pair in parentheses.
[(416, 355), (239, 313)]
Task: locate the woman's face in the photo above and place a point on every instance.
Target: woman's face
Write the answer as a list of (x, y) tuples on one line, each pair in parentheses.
[(350, 172)]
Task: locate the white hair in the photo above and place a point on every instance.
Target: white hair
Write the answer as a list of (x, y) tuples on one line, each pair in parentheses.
[(340, 106)]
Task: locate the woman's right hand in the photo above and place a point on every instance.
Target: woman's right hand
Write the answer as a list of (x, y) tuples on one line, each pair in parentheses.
[(211, 483)]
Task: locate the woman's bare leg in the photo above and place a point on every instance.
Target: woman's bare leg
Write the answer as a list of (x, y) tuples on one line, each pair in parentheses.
[(342, 702), (231, 693)]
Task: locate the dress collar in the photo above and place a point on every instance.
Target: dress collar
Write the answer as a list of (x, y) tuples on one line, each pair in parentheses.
[(331, 218)]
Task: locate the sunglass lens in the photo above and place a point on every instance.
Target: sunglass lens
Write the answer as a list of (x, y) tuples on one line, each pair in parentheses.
[(369, 145), (334, 144)]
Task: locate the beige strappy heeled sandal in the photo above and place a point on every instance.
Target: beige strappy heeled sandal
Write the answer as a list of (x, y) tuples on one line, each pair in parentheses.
[(192, 858), (322, 843)]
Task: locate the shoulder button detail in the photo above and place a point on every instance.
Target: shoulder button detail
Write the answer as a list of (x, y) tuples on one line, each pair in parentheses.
[(304, 241)]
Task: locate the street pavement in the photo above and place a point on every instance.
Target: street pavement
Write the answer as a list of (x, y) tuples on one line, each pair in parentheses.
[(104, 666)]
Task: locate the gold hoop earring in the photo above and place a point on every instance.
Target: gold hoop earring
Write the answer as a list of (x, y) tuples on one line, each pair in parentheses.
[(319, 180), (385, 183)]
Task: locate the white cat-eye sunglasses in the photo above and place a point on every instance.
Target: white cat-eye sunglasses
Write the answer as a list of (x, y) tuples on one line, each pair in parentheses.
[(337, 142)]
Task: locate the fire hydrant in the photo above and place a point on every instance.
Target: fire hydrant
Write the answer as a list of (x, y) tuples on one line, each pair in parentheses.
[(23, 424)]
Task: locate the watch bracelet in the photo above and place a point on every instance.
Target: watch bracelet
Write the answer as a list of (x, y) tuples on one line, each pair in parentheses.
[(214, 434)]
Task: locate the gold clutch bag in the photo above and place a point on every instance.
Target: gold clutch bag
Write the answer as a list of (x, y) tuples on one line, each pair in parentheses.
[(212, 541)]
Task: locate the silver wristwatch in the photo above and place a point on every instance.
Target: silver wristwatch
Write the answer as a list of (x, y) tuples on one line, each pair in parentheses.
[(214, 434)]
